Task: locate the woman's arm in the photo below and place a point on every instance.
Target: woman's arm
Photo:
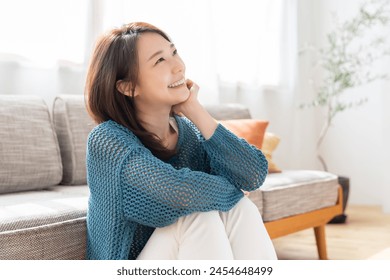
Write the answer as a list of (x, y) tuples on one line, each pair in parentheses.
[(231, 157), (156, 194)]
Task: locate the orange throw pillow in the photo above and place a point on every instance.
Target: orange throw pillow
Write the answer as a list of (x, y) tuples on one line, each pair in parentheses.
[(251, 130)]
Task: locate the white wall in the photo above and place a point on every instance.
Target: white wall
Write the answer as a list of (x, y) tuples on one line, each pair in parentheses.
[(357, 144), (386, 150)]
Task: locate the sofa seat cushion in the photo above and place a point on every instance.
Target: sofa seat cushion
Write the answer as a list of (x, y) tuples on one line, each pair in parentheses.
[(44, 224), (293, 192), (36, 208), (29, 152)]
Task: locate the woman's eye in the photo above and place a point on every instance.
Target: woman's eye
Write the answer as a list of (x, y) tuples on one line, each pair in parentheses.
[(161, 59), (174, 52)]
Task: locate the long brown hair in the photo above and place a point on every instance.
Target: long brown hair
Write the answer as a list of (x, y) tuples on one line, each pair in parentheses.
[(115, 58)]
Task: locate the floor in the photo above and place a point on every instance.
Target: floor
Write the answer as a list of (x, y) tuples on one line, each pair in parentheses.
[(365, 235)]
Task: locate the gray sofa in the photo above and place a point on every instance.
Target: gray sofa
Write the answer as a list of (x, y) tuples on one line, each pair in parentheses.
[(44, 193)]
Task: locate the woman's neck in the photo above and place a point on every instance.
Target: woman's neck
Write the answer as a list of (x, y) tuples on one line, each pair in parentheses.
[(158, 122)]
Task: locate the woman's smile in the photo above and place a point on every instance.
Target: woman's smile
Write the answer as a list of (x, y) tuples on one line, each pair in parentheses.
[(177, 84)]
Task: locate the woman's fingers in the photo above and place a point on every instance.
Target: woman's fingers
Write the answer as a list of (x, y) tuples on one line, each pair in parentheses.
[(189, 83)]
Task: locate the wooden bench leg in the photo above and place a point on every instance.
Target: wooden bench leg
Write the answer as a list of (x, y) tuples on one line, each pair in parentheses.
[(321, 242)]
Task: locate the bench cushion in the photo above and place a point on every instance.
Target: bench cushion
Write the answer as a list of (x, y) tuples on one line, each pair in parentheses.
[(293, 192)]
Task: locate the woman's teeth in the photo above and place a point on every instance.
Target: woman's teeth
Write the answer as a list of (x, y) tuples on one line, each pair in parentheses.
[(178, 83)]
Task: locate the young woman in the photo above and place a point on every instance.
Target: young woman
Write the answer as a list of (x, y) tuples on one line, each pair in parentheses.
[(166, 180)]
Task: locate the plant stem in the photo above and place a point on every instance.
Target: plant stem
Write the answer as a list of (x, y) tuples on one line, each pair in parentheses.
[(322, 161), (324, 130)]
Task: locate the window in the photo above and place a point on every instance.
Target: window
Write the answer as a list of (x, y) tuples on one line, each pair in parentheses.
[(43, 32)]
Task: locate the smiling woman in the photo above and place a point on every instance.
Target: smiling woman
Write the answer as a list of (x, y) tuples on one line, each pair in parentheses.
[(162, 172)]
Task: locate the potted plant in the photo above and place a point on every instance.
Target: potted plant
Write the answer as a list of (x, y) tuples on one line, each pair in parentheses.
[(346, 60)]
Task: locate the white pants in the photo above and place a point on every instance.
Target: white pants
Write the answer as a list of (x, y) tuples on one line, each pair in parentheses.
[(237, 234)]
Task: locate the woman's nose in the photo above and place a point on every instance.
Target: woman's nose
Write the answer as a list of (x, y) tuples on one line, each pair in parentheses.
[(178, 66)]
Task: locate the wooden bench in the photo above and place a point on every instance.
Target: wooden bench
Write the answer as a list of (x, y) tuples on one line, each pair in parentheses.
[(316, 219)]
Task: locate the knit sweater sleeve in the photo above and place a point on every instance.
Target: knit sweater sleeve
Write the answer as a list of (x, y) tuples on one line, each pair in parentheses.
[(242, 164), (156, 194)]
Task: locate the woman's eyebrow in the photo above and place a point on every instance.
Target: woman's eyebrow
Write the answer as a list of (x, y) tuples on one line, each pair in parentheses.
[(160, 52)]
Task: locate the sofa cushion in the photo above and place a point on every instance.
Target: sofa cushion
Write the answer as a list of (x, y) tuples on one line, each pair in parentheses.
[(251, 130), (295, 192), (37, 208), (72, 124), (64, 240), (29, 153), (44, 224)]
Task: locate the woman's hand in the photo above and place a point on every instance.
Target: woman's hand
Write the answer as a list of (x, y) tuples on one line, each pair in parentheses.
[(193, 110), (191, 104)]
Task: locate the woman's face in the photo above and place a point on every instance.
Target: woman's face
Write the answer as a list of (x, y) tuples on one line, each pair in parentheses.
[(161, 79)]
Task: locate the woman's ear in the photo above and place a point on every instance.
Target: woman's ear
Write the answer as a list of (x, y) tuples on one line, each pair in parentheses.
[(125, 88)]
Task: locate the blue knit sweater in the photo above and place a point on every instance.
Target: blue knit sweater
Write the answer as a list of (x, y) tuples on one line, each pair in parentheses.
[(132, 192)]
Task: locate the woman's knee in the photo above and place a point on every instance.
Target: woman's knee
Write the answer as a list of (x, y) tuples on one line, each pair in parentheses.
[(246, 205), (210, 218)]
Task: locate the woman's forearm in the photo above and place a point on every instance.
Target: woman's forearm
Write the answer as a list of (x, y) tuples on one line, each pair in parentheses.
[(202, 120)]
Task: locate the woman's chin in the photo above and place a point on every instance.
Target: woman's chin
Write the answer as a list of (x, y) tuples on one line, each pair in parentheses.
[(184, 94)]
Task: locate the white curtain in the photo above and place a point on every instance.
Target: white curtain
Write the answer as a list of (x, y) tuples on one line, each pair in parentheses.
[(42, 47), (43, 32), (227, 45)]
